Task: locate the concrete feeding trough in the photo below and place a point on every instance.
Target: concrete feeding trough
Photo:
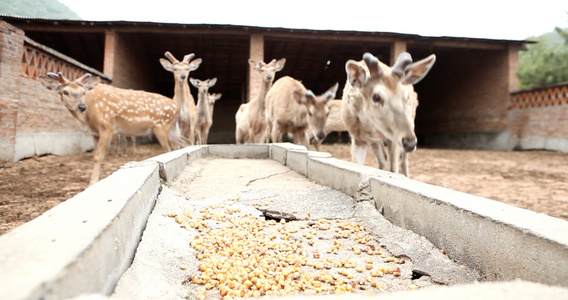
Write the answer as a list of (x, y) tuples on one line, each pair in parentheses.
[(94, 243)]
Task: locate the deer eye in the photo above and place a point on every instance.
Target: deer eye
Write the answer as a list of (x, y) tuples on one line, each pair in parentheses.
[(377, 98), (66, 93)]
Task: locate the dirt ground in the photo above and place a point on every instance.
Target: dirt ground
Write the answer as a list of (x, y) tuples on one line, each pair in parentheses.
[(534, 180)]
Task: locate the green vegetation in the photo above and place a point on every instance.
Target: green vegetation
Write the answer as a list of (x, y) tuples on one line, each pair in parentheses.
[(45, 9), (545, 62)]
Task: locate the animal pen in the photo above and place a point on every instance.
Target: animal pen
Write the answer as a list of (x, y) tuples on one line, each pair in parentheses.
[(100, 241)]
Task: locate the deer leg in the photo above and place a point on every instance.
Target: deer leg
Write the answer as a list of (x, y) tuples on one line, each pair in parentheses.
[(197, 136), (358, 152), (379, 151), (276, 133), (404, 163), (394, 152), (133, 138), (238, 136), (163, 139), (101, 144), (300, 138)]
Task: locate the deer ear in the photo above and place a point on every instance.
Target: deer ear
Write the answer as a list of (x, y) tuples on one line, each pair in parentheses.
[(415, 72), (48, 82), (91, 83), (194, 82), (194, 64), (167, 64), (280, 64), (212, 82), (330, 94), (356, 74), (299, 96), (217, 96)]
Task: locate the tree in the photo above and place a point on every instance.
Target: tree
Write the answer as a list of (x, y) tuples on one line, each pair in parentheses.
[(545, 62), (46, 9)]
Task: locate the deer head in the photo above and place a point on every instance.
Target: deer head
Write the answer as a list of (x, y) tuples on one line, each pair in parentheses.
[(268, 70), (384, 94), (71, 92), (203, 85), (318, 108), (182, 68)]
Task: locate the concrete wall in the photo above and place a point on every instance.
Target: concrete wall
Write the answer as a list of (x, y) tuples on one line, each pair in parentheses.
[(84, 244)]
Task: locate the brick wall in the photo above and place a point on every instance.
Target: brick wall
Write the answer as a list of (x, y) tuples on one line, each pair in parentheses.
[(538, 118), (472, 111), (130, 68), (11, 42), (257, 54), (33, 121)]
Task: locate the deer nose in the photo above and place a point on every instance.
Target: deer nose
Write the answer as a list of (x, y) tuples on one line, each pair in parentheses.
[(409, 145), (82, 107), (320, 136), (269, 77), (182, 76)]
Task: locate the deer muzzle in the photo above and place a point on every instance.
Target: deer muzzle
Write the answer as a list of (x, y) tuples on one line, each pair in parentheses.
[(409, 144), (82, 107)]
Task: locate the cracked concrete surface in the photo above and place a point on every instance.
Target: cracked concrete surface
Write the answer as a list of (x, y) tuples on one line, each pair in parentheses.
[(255, 186)]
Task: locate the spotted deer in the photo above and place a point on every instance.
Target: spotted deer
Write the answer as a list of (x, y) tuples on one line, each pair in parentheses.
[(182, 94), (203, 118), (291, 108), (379, 105), (107, 110), (250, 118)]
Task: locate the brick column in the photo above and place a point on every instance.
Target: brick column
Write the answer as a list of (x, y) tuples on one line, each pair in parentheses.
[(11, 53), (110, 42), (513, 68), (396, 49), (256, 53)]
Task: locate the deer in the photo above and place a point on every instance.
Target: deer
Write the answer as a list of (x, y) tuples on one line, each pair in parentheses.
[(250, 118), (121, 144), (379, 105), (291, 108), (334, 123), (242, 125), (182, 94), (211, 99), (203, 116), (107, 110)]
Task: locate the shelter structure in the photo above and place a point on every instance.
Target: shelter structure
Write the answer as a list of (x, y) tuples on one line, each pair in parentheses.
[(464, 101)]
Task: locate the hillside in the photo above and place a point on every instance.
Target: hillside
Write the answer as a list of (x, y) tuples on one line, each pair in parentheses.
[(45, 9)]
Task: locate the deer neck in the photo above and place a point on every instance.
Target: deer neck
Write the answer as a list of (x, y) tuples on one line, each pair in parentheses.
[(181, 92), (264, 87), (202, 104)]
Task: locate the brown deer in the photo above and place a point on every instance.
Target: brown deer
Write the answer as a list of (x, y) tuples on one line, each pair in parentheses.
[(108, 110), (379, 105), (250, 118), (182, 95), (291, 108), (212, 98), (203, 118), (242, 125), (334, 123)]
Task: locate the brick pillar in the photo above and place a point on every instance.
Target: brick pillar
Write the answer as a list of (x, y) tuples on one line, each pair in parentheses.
[(11, 53), (256, 53), (110, 42), (396, 49), (513, 68)]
